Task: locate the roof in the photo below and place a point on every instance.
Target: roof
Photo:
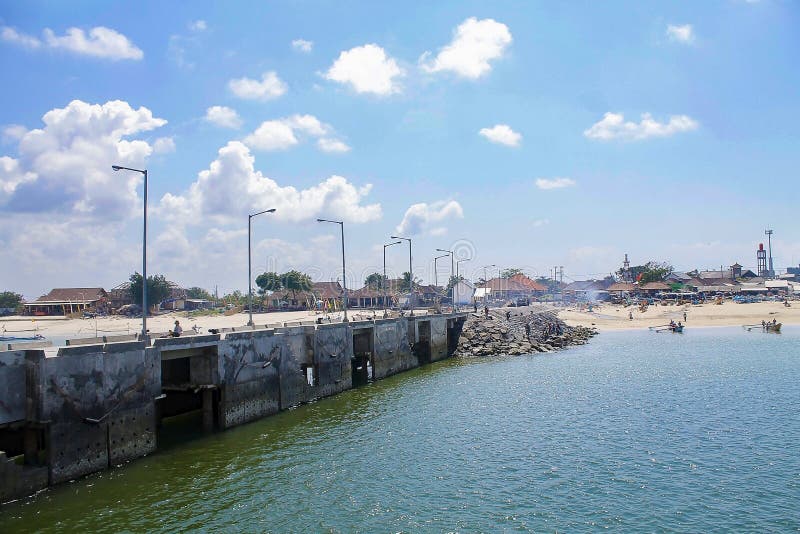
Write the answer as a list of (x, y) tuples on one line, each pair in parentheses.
[(657, 286), (621, 286), (365, 292), (527, 282), (518, 282), (74, 294), (585, 285), (327, 290), (776, 284)]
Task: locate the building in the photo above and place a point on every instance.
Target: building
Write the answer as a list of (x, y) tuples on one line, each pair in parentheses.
[(329, 293), (67, 300), (518, 286), (463, 292)]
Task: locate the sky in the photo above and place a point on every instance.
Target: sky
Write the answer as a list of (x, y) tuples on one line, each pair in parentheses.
[(514, 133)]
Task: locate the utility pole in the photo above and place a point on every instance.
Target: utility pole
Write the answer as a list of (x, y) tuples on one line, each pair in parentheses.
[(769, 248)]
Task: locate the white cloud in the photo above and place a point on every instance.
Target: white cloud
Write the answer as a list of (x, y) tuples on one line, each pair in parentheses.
[(65, 166), (282, 134), (223, 117), (198, 26), (475, 43), (423, 217), (501, 134), (332, 145), (100, 42), (301, 45), (268, 88), (231, 187), (11, 35), (538, 223), (554, 183), (367, 69), (681, 34), (164, 145), (613, 126)]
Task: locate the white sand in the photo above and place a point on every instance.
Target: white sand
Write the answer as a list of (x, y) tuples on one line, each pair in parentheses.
[(615, 317)]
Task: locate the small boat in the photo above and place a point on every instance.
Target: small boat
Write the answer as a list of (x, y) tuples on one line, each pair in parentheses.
[(678, 329), (773, 327), (674, 328), (37, 337)]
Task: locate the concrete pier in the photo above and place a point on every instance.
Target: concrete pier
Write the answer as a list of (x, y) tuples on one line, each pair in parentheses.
[(79, 409)]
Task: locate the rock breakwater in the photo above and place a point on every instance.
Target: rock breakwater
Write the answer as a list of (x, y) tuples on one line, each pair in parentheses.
[(517, 331)]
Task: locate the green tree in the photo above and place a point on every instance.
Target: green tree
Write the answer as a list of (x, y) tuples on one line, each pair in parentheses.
[(296, 281), (405, 282), (9, 299), (510, 272), (198, 293), (157, 289), (237, 298), (269, 282), (374, 281), (651, 271)]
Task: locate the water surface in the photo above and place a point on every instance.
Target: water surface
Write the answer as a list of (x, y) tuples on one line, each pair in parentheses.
[(635, 431)]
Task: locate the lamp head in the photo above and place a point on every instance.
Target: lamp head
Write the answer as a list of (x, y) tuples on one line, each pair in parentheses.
[(116, 167), (271, 210)]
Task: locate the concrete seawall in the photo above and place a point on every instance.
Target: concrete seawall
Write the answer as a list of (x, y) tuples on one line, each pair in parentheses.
[(76, 410)]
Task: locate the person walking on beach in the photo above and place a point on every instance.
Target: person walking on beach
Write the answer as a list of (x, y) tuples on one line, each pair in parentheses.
[(486, 311), (630, 315), (684, 317)]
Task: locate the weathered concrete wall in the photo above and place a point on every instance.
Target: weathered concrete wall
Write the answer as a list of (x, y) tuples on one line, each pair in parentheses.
[(297, 354), (12, 386), (438, 338), (392, 350), (333, 351), (100, 404), (248, 368), (17, 481)]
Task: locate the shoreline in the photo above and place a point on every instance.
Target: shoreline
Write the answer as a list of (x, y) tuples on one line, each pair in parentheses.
[(613, 317)]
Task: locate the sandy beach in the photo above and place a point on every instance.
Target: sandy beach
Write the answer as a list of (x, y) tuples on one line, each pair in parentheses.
[(615, 317)]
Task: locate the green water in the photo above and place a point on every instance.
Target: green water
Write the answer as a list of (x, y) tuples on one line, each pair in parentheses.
[(634, 432)]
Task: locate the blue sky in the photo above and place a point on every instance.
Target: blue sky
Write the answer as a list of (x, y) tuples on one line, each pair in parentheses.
[(527, 134)]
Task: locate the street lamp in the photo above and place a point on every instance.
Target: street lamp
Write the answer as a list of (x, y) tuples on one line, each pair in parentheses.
[(383, 282), (344, 272), (450, 253), (486, 282), (410, 274), (250, 263), (144, 249)]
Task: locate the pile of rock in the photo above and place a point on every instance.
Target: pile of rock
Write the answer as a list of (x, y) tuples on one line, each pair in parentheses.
[(518, 331)]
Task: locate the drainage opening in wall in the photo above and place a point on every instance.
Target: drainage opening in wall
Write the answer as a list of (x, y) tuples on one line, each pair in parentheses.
[(363, 353), (189, 401), (422, 346)]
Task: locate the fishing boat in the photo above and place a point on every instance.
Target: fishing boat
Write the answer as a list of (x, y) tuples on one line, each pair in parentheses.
[(773, 328), (674, 328), (37, 337)]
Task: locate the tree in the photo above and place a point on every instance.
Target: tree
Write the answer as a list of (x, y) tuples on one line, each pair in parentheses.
[(510, 272), (551, 285), (198, 293), (296, 281), (405, 282), (375, 281), (269, 282), (9, 299), (157, 289), (237, 298), (651, 271)]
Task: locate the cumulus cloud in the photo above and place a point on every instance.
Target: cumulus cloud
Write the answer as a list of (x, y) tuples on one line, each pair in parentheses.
[(224, 117), (282, 134), (367, 69), (231, 186), (501, 134), (613, 126), (198, 26), (65, 165), (301, 45), (332, 145), (100, 42), (268, 88), (427, 218), (164, 145), (554, 183), (680, 34), (475, 43)]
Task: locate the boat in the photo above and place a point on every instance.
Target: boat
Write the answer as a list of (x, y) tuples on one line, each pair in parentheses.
[(773, 327), (677, 329), (37, 337)]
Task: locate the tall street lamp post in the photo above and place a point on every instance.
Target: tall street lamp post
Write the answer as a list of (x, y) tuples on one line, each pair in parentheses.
[(410, 274), (144, 249), (344, 270), (383, 282), (486, 282), (449, 253), (250, 262)]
